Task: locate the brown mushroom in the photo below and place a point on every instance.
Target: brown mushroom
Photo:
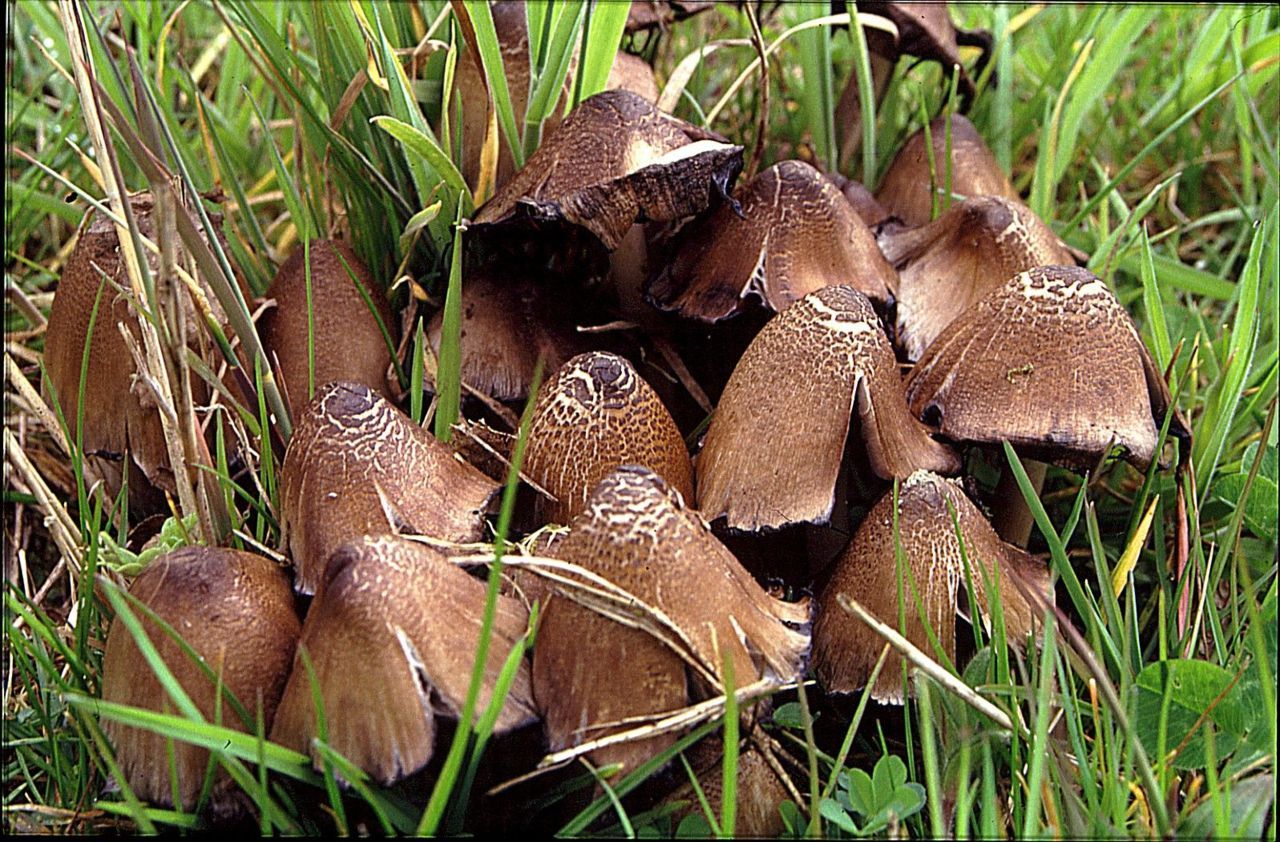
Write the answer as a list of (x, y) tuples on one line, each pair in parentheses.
[(614, 161), (357, 466), (235, 610), (845, 649), (950, 263), (871, 212), (905, 188), (348, 343), (660, 14), (507, 325), (760, 791), (592, 672), (392, 641), (794, 234), (776, 442), (593, 415), (1051, 363)]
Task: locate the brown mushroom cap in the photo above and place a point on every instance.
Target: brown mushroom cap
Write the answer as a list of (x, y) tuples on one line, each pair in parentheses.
[(615, 160), (1050, 362), (594, 414), (845, 649), (948, 264), (974, 171), (776, 441), (348, 343), (392, 640), (759, 794), (235, 610), (871, 212), (357, 466), (652, 14), (507, 324), (590, 670), (796, 234)]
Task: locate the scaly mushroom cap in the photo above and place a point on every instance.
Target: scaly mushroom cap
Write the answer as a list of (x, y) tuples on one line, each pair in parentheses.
[(392, 640), (1050, 362), (236, 611), (506, 326), (595, 414), (348, 343), (796, 234), (122, 430), (845, 649), (590, 671), (614, 161), (776, 441), (974, 171), (947, 265), (357, 466)]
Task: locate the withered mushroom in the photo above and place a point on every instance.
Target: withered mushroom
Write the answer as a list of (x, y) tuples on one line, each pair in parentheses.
[(794, 234), (593, 674), (777, 438), (950, 263), (392, 641), (593, 415), (905, 188), (845, 649), (1050, 362), (235, 610), (346, 338), (357, 466)]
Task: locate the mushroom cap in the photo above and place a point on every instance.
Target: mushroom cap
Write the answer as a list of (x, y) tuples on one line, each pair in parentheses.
[(950, 263), (392, 640), (590, 670), (796, 234), (632, 73), (904, 191), (357, 466), (235, 610), (925, 30), (777, 438), (659, 14), (871, 212), (759, 794), (507, 325), (845, 649), (1051, 362), (614, 161), (595, 414), (348, 343)]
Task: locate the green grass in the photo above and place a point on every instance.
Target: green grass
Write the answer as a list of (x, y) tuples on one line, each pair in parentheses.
[(1144, 135)]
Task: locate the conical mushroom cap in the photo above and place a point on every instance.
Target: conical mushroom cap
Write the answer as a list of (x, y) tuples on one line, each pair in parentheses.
[(948, 264), (357, 466), (974, 171), (1050, 362), (776, 440), (348, 343), (595, 414), (236, 611), (871, 212), (845, 649), (590, 670), (796, 234), (392, 639), (507, 324), (614, 161)]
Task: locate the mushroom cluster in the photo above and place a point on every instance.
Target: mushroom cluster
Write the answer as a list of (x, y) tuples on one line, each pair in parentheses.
[(648, 605)]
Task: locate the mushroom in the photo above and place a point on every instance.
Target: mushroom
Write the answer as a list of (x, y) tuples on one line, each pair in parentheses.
[(660, 14), (614, 161), (905, 188), (773, 451), (871, 212), (950, 263), (794, 234), (594, 414), (594, 674), (392, 641), (235, 611), (345, 335), (1050, 362), (357, 466), (845, 650), (507, 325)]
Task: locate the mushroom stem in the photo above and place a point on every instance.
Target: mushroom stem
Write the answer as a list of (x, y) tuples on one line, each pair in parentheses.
[(1012, 516)]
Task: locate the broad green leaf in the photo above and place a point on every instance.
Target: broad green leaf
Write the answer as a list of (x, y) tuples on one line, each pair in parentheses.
[(1192, 687)]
